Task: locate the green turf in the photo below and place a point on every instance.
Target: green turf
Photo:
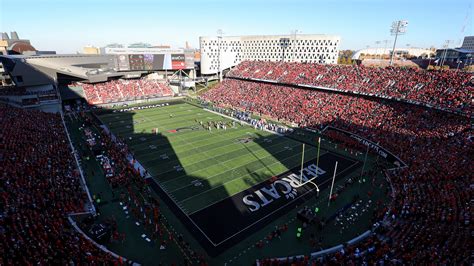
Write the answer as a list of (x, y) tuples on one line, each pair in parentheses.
[(199, 150), (217, 159)]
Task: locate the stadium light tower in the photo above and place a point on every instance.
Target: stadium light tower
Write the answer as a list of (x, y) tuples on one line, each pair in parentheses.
[(384, 48), (377, 45), (445, 52), (219, 40), (398, 28)]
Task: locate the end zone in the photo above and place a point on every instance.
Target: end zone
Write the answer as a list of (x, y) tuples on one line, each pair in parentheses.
[(223, 224)]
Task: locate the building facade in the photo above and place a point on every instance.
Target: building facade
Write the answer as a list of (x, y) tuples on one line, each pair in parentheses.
[(386, 52), (468, 43), (455, 57), (225, 52), (14, 45), (90, 50)]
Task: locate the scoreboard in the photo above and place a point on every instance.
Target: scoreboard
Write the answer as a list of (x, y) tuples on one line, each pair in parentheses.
[(127, 59), (136, 62)]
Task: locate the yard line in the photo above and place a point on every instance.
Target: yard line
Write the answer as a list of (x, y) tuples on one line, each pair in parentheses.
[(225, 168), (119, 125), (210, 177), (159, 115), (203, 152), (200, 161), (149, 110), (324, 182), (169, 136), (207, 190), (177, 149), (180, 144), (207, 145)]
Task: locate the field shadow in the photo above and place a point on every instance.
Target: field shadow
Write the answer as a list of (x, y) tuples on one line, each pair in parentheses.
[(226, 222), (123, 125)]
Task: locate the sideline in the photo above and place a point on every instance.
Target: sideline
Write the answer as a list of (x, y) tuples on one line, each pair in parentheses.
[(92, 210), (78, 165), (327, 251), (103, 248)]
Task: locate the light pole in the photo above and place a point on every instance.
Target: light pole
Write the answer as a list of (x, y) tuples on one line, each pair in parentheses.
[(384, 48), (377, 44), (398, 28), (443, 57), (219, 40)]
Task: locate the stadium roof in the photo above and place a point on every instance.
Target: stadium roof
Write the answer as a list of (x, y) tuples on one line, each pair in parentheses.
[(88, 68), (459, 50)]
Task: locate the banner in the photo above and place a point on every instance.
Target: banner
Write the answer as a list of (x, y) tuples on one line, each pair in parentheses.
[(373, 146), (122, 63), (177, 61)]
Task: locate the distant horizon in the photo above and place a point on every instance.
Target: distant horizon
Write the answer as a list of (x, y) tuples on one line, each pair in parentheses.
[(67, 27)]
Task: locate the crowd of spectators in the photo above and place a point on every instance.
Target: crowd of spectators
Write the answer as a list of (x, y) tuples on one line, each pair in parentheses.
[(430, 214), (429, 218), (12, 91), (124, 90), (446, 89), (19, 91), (39, 187), (118, 171)]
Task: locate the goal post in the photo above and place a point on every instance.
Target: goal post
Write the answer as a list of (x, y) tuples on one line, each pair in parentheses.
[(302, 162), (309, 181), (332, 184)]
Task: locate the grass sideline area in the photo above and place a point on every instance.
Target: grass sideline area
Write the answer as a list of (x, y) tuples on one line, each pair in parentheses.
[(199, 167)]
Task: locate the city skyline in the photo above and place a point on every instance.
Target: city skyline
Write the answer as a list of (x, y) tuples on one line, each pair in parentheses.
[(68, 26)]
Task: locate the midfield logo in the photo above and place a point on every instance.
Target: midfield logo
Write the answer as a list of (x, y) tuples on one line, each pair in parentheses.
[(283, 188)]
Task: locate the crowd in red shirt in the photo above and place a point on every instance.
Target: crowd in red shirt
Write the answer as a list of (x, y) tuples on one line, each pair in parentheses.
[(447, 89), (429, 217), (124, 90), (39, 187), (430, 214)]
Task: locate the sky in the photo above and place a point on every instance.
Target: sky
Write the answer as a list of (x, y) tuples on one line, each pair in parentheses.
[(66, 26)]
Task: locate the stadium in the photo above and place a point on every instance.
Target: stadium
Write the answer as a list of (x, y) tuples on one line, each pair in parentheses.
[(269, 160)]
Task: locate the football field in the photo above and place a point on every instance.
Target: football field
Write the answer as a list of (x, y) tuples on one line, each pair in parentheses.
[(198, 167), (239, 177)]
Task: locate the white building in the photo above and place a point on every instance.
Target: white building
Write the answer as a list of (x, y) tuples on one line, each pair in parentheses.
[(307, 48), (387, 51), (468, 43)]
